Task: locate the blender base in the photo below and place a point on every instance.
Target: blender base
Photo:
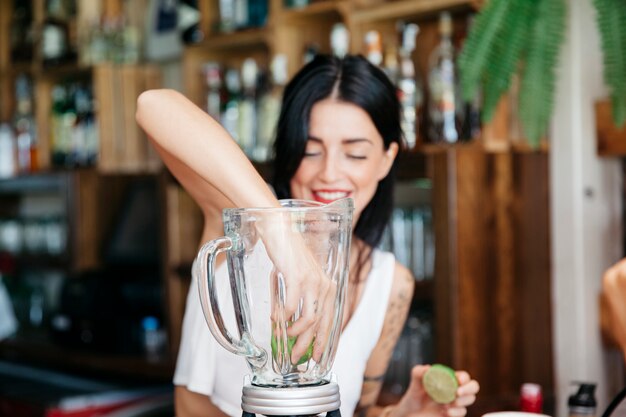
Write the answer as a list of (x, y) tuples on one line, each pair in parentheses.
[(334, 413), (291, 401)]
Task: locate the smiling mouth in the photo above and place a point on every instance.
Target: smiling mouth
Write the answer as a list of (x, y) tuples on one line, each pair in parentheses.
[(329, 196)]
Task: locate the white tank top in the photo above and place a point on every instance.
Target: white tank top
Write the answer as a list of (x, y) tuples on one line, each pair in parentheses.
[(205, 367)]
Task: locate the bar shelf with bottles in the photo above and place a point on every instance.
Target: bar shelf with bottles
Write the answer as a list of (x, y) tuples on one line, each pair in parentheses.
[(71, 54)]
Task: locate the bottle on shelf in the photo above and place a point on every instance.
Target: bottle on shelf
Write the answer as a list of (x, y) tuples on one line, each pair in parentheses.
[(8, 167), (25, 127), (471, 127), (292, 4), (213, 80), (269, 107), (226, 15), (74, 130), (409, 89), (84, 146), (57, 37), (443, 112), (241, 14), (21, 32), (62, 120), (310, 51), (583, 402), (230, 115), (531, 398), (257, 13), (247, 109), (339, 40), (374, 47)]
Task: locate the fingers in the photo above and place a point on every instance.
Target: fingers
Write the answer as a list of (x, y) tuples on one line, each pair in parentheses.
[(466, 395), (456, 411), (300, 352), (327, 317)]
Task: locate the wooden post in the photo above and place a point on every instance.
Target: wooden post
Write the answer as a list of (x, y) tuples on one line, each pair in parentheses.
[(492, 285)]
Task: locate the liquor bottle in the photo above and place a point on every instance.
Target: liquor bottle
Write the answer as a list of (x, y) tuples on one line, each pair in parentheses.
[(374, 47), (471, 127), (443, 112), (310, 51), (227, 15), (92, 140), (7, 151), (79, 148), (25, 127), (409, 89), (247, 109), (269, 107), (230, 115), (21, 31), (213, 81), (242, 15), (63, 119), (257, 13), (390, 63), (339, 40), (57, 40)]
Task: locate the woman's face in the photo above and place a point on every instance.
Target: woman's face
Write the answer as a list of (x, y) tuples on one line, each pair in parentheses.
[(344, 157)]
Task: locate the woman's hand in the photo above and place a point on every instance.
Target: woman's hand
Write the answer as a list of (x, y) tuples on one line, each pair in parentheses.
[(416, 401), (300, 284)]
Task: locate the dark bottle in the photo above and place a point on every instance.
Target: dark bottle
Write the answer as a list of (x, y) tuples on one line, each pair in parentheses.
[(583, 403), (21, 32)]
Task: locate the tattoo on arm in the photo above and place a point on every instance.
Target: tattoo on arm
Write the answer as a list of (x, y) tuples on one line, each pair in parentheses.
[(377, 378)]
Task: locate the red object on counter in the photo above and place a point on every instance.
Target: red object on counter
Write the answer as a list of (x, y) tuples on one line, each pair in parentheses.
[(531, 398)]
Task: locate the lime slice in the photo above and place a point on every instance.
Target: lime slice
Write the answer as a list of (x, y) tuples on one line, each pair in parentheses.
[(440, 384), (290, 342)]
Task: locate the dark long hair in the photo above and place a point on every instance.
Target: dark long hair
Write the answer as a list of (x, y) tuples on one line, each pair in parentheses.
[(352, 80)]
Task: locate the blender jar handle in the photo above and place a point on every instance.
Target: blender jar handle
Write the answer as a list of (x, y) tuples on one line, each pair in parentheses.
[(205, 270)]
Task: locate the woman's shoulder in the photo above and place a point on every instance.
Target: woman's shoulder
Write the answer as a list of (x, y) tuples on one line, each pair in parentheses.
[(403, 284), (402, 279)]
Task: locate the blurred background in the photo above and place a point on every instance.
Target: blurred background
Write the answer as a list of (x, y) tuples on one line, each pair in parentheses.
[(508, 209)]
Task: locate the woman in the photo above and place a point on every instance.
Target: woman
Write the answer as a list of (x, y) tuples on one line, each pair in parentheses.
[(338, 135)]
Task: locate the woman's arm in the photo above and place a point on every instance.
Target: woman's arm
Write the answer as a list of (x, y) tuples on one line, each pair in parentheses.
[(415, 401), (217, 174), (200, 153), (397, 310)]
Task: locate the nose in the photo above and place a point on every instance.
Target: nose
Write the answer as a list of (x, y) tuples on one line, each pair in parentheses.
[(331, 169)]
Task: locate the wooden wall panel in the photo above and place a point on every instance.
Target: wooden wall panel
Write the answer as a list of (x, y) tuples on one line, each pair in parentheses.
[(532, 257), (492, 284)]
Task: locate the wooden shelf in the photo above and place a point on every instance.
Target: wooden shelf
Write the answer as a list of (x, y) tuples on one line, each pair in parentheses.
[(46, 353), (407, 9), (64, 70), (38, 182), (316, 10), (244, 39), (43, 261)]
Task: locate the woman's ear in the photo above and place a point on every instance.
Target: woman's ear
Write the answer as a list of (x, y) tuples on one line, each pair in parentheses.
[(388, 158)]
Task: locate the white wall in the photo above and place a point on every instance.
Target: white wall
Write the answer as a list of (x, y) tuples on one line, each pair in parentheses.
[(586, 214)]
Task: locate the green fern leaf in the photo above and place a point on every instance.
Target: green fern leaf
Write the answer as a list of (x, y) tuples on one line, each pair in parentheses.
[(611, 18), (538, 78), (472, 59), (508, 48)]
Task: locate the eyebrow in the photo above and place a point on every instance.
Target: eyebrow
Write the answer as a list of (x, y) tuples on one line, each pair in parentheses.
[(344, 141)]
